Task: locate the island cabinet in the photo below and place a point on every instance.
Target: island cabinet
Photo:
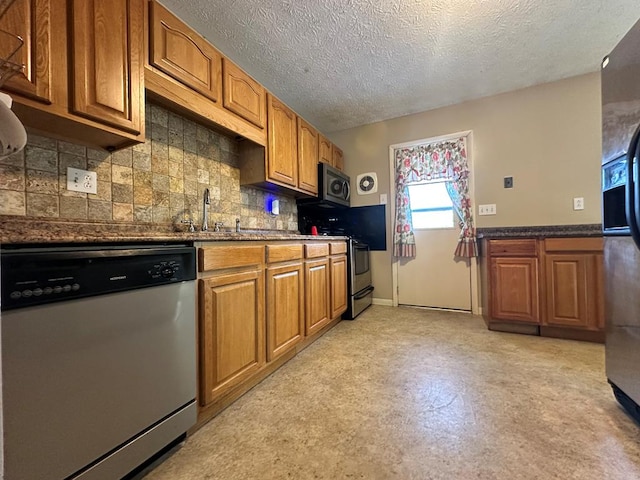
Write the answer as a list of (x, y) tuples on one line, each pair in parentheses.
[(260, 303), (545, 286), (187, 74), (83, 76)]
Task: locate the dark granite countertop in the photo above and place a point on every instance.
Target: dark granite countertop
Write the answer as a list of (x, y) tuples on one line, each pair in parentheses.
[(545, 231), (20, 230)]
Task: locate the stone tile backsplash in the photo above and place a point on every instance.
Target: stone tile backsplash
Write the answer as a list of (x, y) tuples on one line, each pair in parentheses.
[(161, 181)]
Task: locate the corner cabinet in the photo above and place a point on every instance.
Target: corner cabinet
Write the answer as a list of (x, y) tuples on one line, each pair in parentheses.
[(83, 79), (550, 287)]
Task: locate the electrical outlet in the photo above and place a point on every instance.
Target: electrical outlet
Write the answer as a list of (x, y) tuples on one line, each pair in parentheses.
[(82, 180), (488, 209), (578, 203)]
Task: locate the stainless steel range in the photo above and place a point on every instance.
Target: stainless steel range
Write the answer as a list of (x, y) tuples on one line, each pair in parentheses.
[(360, 290)]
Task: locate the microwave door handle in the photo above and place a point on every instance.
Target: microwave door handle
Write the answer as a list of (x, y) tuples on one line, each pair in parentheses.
[(632, 200), (347, 188)]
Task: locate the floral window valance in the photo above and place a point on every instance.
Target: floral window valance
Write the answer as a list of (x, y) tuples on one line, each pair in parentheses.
[(434, 161)]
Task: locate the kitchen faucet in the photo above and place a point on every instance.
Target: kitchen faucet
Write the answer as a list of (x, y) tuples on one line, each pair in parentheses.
[(206, 201)]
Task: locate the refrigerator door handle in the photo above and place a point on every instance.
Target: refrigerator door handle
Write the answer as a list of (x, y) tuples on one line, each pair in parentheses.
[(632, 197)]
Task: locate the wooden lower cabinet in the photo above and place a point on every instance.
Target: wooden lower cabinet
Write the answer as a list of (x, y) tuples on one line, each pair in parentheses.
[(285, 308), (232, 340), (317, 300), (550, 286), (338, 266), (514, 284), (260, 303), (574, 284)]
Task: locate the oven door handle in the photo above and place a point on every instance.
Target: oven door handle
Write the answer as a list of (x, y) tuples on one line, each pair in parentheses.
[(363, 293)]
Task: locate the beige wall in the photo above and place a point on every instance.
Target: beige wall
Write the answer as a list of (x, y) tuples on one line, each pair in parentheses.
[(547, 137)]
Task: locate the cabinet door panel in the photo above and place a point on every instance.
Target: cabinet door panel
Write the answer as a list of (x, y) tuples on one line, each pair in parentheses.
[(181, 53), (337, 158), (31, 20), (567, 290), (285, 308), (106, 46), (317, 299), (325, 153), (307, 157), (338, 285), (231, 331), (283, 148), (243, 95), (515, 289)]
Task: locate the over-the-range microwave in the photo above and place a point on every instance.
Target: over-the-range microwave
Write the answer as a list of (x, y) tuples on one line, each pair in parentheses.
[(334, 189)]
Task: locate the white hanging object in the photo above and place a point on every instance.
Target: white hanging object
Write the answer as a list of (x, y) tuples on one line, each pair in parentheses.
[(13, 136), (367, 183)]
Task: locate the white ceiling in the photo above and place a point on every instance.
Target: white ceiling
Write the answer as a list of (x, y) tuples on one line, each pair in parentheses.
[(345, 63)]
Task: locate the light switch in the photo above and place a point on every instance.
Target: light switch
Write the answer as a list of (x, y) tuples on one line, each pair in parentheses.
[(383, 199), (488, 209)]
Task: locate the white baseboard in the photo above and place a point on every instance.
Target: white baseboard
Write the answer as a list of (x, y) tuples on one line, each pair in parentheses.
[(382, 301)]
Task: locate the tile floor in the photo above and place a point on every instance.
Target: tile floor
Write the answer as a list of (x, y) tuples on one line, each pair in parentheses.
[(404, 393)]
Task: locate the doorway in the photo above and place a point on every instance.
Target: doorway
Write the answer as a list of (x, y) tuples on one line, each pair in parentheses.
[(434, 278)]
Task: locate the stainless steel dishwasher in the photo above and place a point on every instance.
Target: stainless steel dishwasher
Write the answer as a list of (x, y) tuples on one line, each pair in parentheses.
[(98, 358)]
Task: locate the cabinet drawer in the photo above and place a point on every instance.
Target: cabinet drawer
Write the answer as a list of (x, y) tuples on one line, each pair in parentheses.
[(314, 250), (219, 257), (283, 253), (525, 247), (584, 244), (338, 247)]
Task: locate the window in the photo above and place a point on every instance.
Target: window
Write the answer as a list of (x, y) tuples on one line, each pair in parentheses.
[(431, 206)]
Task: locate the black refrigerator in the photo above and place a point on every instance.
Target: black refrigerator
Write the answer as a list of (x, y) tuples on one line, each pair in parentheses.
[(621, 217)]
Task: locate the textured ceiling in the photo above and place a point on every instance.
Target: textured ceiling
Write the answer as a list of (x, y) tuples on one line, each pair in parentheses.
[(345, 63)]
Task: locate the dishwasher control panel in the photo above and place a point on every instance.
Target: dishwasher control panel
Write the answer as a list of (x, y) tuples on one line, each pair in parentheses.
[(38, 276)]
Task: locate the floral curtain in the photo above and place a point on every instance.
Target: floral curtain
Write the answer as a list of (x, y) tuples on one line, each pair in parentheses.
[(435, 161)]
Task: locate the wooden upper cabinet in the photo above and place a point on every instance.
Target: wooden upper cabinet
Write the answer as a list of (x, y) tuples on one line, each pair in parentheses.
[(338, 158), (106, 47), (183, 54), (283, 145), (31, 20), (325, 152), (307, 157), (243, 95)]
